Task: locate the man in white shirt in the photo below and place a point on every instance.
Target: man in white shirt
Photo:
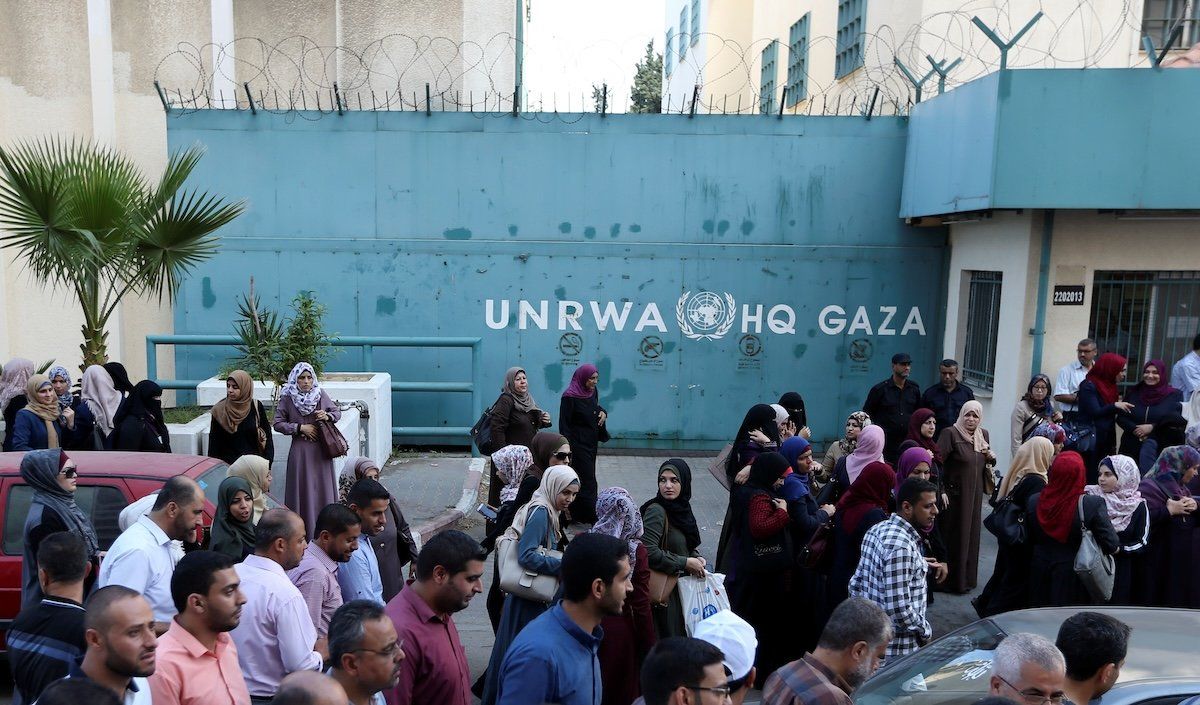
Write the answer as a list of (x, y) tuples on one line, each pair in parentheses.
[(1185, 375), (275, 636), (119, 631), (142, 559), (1066, 387)]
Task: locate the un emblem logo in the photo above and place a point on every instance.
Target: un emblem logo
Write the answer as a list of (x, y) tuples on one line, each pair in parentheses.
[(706, 315)]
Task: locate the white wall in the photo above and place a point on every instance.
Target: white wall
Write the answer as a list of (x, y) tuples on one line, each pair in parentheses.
[(1006, 243)]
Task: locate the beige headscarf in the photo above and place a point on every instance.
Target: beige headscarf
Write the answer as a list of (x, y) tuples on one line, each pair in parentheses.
[(232, 411), (48, 413), (554, 481), (101, 396), (254, 470), (981, 445), (354, 470), (523, 402), (1032, 458)]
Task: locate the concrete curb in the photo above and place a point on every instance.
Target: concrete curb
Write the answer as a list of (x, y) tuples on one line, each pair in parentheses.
[(466, 503)]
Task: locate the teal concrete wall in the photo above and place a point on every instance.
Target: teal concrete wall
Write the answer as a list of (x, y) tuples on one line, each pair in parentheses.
[(1056, 138), (407, 224)]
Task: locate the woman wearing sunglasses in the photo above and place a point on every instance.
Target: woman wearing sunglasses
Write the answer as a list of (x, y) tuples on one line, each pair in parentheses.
[(53, 477)]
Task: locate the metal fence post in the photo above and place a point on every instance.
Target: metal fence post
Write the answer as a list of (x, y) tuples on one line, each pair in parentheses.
[(476, 387)]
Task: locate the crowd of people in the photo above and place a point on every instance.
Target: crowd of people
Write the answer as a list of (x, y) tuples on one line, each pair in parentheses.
[(829, 565)]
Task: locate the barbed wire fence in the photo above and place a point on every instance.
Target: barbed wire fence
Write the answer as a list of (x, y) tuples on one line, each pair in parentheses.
[(300, 78)]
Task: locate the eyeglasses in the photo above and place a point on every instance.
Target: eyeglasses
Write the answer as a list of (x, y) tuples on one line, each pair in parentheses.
[(69, 472), (1035, 697), (721, 691), (387, 651), (563, 456), (1085, 350)]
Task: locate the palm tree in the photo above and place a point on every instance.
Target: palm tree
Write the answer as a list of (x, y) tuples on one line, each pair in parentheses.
[(83, 217)]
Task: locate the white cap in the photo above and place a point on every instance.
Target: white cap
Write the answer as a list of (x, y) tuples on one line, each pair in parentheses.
[(734, 637)]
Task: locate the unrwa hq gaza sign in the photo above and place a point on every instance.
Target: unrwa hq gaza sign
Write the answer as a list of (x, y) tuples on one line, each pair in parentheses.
[(703, 315)]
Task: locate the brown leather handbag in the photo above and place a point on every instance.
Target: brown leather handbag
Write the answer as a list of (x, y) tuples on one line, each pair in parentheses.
[(331, 440), (662, 584)]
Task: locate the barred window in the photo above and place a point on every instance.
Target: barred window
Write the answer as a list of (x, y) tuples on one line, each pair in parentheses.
[(668, 57), (766, 81), (797, 75), (1145, 316), (683, 32), (849, 36), (695, 37), (1160, 16), (983, 324)]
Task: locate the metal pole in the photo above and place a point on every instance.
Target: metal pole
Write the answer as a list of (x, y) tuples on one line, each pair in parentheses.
[(476, 385), (246, 86), (151, 359), (163, 97), (782, 100), (519, 51)]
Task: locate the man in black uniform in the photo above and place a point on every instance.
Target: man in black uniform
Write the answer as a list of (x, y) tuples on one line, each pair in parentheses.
[(891, 402)]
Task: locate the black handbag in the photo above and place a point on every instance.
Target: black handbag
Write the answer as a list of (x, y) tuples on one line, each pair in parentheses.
[(1080, 434), (481, 432), (773, 554), (830, 493), (1007, 523)]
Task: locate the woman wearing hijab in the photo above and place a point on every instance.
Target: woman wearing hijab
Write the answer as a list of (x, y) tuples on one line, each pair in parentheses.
[(761, 557), (855, 423), (537, 525), (584, 423), (759, 433), (966, 476), (808, 585), (629, 635), (1008, 588), (394, 545), (923, 432), (1056, 534), (793, 403), (42, 423), (103, 400), (1118, 486), (783, 421), (13, 378), (139, 423), (514, 468), (672, 540), (52, 476), (72, 406), (311, 482), (1100, 405), (1052, 432), (848, 468), (256, 471), (120, 377), (1032, 410), (1166, 573), (233, 525), (515, 419), (865, 504), (1153, 400), (917, 462), (239, 423)]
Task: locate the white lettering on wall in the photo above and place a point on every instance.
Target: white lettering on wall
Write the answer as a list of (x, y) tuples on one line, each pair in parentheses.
[(889, 312), (752, 318), (832, 320), (568, 314), (610, 315), (860, 322), (525, 313), (493, 322), (914, 322), (782, 319), (651, 316)]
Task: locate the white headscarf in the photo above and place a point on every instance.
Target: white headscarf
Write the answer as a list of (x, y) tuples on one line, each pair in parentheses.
[(306, 402), (12, 381), (101, 396), (554, 481), (781, 414)]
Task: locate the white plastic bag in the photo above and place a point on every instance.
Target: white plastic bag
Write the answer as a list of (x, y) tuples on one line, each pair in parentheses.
[(701, 598)]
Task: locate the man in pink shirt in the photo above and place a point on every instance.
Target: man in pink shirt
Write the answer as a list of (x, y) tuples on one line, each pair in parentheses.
[(197, 661), (336, 539), (434, 670)]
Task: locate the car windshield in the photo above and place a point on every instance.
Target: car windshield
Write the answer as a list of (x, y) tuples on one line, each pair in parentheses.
[(210, 482), (955, 668)]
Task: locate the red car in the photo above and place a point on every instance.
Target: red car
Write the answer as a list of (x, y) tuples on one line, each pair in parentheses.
[(108, 482)]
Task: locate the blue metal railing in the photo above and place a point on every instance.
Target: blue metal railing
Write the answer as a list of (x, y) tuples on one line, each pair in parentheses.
[(367, 345)]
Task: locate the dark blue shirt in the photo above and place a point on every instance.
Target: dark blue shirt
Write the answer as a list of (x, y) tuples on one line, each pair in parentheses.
[(946, 405), (552, 660)]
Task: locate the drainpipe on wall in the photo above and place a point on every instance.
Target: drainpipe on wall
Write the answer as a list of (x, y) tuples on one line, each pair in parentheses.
[(1039, 322), (520, 55)]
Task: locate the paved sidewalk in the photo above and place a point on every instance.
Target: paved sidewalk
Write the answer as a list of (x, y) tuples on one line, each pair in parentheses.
[(428, 486)]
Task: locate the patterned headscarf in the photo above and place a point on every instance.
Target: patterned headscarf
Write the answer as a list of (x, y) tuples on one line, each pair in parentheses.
[(512, 464), (64, 399), (847, 445), (305, 402), (1050, 431), (1193, 432), (354, 470), (1175, 461), (1123, 501), (12, 381), (618, 516)]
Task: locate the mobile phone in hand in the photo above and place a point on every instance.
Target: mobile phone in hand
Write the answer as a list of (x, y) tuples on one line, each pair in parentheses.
[(487, 511)]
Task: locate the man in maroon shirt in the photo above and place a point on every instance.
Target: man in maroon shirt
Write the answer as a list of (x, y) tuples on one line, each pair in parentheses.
[(434, 670)]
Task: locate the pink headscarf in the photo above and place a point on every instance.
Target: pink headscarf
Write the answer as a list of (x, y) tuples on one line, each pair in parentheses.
[(869, 450), (1125, 499), (577, 388)]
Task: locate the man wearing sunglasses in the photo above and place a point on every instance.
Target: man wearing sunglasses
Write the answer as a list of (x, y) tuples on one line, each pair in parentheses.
[(1027, 668)]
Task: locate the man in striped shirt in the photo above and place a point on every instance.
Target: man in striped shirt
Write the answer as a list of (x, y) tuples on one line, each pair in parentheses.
[(892, 569), (47, 636)]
